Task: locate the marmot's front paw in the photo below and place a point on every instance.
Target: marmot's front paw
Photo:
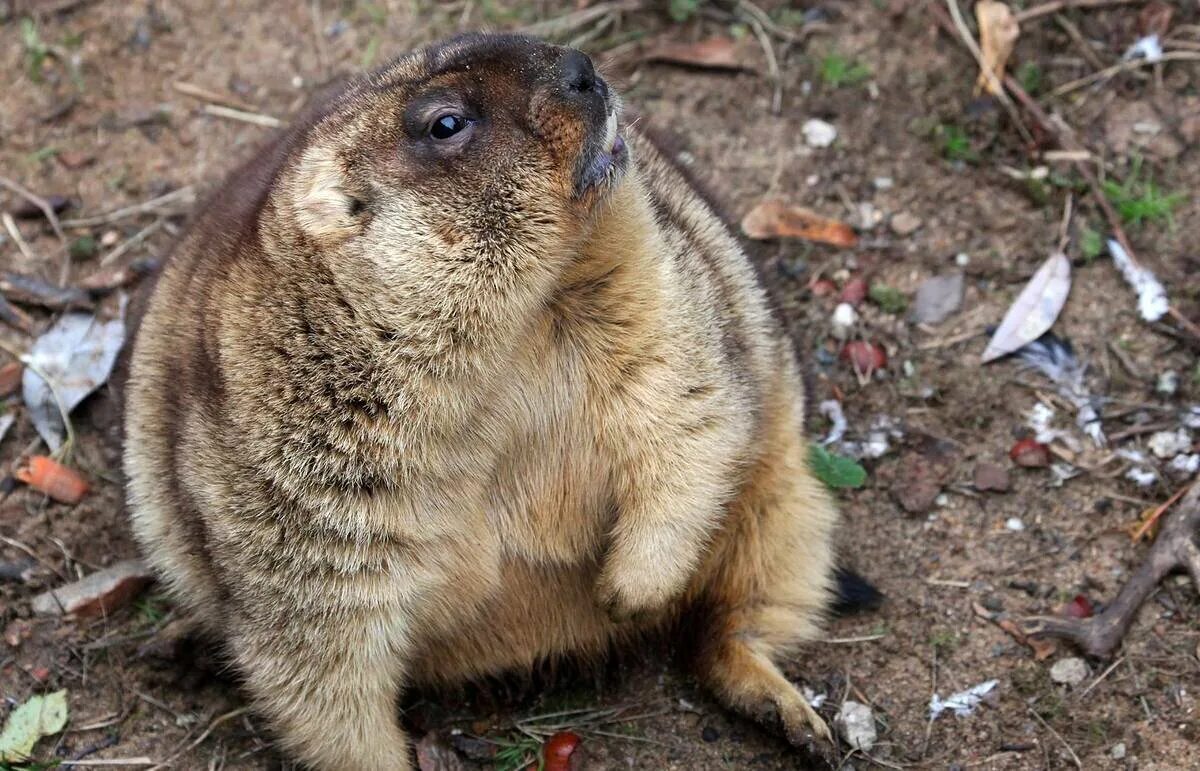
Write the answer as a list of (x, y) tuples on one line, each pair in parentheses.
[(625, 601)]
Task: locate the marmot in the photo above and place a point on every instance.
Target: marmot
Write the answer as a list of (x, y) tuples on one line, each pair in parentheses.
[(455, 377)]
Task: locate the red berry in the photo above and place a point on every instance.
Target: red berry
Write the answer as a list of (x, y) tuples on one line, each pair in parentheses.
[(1079, 607), (1030, 453), (557, 751), (864, 357)]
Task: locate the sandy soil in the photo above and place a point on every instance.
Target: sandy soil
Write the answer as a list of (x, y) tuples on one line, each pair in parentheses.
[(103, 124)]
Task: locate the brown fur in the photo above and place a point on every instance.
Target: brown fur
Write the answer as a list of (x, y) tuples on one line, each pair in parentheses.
[(400, 417)]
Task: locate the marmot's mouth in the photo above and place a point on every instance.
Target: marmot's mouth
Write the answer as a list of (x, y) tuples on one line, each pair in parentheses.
[(607, 161)]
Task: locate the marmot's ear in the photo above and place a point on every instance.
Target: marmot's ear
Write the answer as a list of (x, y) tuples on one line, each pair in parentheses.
[(324, 208)]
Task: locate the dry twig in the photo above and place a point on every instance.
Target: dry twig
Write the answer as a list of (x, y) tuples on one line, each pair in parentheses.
[(1100, 635), (1054, 6)]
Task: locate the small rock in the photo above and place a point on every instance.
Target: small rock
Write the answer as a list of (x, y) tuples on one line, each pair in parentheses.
[(1168, 444), (1168, 383), (819, 133), (856, 723), (1069, 671), (75, 159), (99, 593), (937, 298), (1014, 524), (962, 259), (433, 754), (479, 750), (710, 734), (917, 479), (843, 320), (28, 210), (905, 224), (990, 477), (883, 183), (109, 238), (1118, 751)]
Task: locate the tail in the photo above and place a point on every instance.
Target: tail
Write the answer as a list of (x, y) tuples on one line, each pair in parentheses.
[(854, 593)]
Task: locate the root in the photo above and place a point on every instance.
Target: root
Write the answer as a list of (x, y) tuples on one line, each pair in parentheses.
[(1102, 634)]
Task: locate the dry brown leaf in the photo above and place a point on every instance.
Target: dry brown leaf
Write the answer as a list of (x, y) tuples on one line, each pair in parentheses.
[(776, 219), (998, 33), (714, 53)]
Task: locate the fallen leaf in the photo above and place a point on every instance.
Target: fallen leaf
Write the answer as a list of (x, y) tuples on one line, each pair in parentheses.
[(776, 219), (10, 378), (1042, 648), (835, 471), (714, 53), (1035, 309), (48, 476), (77, 354), (30, 290), (998, 33), (854, 292), (38, 717), (1155, 19)]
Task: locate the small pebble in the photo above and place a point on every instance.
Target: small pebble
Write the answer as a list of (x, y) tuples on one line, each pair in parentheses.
[(710, 734), (990, 477), (1014, 524), (1168, 383), (843, 320), (1118, 751), (856, 723), (962, 259), (818, 133), (905, 224), (883, 183), (1069, 671)]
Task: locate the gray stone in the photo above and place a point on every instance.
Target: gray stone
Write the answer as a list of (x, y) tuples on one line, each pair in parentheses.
[(937, 299), (856, 723)]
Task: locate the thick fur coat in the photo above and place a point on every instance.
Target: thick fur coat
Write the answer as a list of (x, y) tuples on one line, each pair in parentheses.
[(414, 410)]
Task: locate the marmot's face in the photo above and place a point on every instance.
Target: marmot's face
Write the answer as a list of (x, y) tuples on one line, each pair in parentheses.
[(482, 147)]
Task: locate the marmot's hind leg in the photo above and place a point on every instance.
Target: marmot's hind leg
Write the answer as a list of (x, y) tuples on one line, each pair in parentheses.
[(768, 585)]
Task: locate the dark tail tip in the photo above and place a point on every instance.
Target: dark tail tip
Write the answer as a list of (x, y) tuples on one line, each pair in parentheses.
[(854, 593)]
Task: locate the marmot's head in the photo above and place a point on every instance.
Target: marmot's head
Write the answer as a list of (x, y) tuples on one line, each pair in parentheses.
[(496, 148)]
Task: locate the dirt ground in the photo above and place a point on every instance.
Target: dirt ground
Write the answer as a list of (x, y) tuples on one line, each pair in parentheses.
[(931, 177)]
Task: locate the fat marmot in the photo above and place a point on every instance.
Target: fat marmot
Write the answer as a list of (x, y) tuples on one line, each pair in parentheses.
[(453, 378)]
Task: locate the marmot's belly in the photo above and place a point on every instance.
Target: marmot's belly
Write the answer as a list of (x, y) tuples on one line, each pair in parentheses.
[(535, 613)]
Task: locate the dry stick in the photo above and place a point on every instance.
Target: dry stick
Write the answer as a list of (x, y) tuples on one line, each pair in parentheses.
[(41, 203), (1100, 635), (773, 75), (1158, 512), (209, 95), (1058, 736), (1116, 69), (1080, 42), (964, 33), (1055, 6), (154, 204)]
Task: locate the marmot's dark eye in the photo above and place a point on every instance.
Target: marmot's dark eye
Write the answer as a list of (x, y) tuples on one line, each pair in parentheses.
[(447, 126)]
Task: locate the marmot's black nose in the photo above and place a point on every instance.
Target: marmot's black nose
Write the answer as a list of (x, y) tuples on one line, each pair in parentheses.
[(579, 76)]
